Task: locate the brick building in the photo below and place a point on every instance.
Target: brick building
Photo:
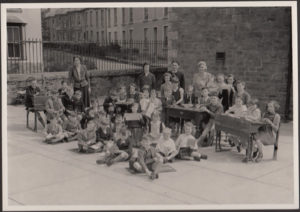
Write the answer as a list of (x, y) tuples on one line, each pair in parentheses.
[(254, 44)]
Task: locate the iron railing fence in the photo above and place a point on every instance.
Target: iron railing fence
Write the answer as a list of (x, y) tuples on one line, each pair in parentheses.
[(32, 56)]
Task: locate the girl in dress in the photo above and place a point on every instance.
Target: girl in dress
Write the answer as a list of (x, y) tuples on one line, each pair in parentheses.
[(267, 134)]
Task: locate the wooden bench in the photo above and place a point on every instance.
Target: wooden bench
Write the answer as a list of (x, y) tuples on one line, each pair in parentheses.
[(38, 106)]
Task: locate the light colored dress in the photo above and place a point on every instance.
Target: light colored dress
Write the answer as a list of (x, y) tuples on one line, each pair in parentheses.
[(266, 134), (199, 82)]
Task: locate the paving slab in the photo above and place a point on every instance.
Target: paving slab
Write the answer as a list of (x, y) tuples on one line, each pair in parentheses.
[(92, 190), (29, 171)]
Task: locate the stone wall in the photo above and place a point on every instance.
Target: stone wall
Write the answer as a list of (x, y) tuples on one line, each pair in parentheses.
[(101, 81), (256, 43)]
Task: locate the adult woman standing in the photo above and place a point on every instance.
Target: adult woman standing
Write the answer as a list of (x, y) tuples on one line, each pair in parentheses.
[(203, 79), (79, 77)]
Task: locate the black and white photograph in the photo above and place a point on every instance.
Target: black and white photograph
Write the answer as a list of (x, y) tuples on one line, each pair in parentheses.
[(149, 105)]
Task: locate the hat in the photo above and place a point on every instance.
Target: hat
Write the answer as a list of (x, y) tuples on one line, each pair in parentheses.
[(167, 74)]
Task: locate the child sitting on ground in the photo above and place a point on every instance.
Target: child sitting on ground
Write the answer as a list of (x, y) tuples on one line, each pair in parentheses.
[(166, 146), (54, 132), (238, 109), (87, 138), (71, 127), (135, 123), (147, 160), (213, 108), (133, 95), (78, 103), (167, 85), (186, 145), (55, 108), (117, 150)]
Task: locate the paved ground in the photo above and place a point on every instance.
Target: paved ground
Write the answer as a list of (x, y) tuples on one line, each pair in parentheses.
[(40, 174)]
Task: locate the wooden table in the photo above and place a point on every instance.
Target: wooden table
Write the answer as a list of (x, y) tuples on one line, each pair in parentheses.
[(125, 106), (185, 113), (242, 128)]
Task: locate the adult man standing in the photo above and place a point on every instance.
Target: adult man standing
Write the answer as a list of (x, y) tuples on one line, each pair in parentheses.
[(146, 78), (176, 73)]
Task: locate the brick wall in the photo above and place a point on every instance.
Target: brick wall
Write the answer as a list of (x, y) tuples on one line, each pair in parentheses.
[(256, 42)]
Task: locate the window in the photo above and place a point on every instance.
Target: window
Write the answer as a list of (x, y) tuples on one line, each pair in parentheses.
[(108, 17), (130, 15), (166, 12), (131, 34), (115, 17), (154, 13), (14, 37), (92, 36), (123, 15), (123, 35), (78, 19), (86, 17), (91, 18), (109, 36), (155, 33), (102, 36), (98, 37), (97, 19), (116, 36), (146, 38), (102, 18), (87, 35), (79, 36), (146, 16), (165, 36)]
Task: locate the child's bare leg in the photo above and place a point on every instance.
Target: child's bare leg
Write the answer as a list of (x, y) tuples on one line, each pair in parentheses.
[(260, 150), (138, 167), (121, 157), (156, 167)]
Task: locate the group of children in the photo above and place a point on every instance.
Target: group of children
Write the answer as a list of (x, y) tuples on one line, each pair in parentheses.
[(130, 125)]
